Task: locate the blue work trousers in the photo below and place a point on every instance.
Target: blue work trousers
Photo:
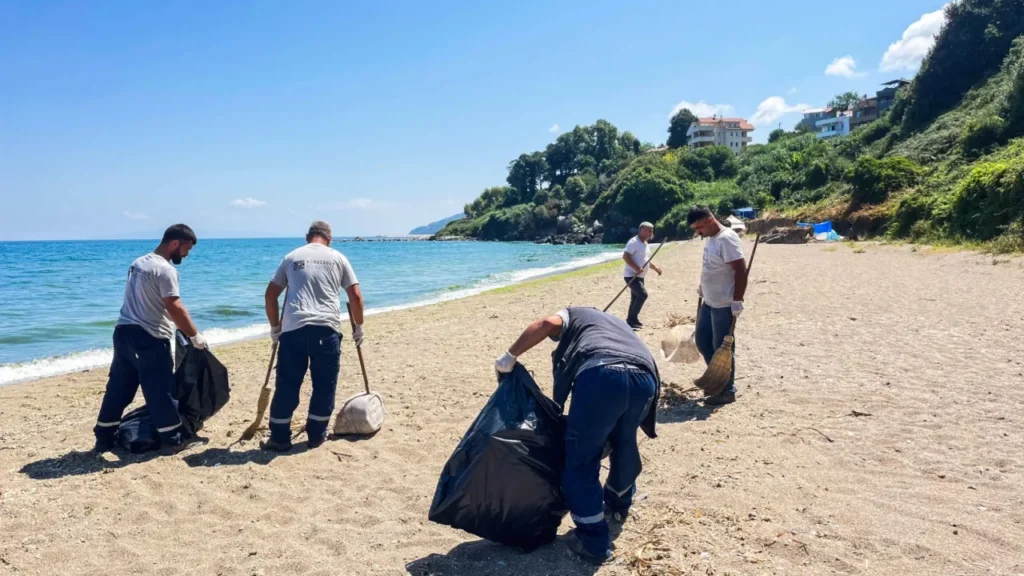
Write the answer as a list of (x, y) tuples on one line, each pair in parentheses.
[(318, 350), (608, 405)]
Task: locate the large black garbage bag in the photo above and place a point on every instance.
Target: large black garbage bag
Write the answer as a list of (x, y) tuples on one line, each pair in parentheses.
[(201, 388), (503, 482)]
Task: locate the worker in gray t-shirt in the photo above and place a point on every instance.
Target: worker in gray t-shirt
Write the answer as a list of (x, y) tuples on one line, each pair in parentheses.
[(142, 342), (310, 333)]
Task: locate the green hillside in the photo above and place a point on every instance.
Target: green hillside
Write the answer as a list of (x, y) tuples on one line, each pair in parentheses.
[(946, 163)]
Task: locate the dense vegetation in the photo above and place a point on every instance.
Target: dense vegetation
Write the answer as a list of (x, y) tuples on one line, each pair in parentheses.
[(945, 163)]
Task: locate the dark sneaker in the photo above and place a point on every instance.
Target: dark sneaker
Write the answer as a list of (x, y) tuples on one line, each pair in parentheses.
[(576, 547), (315, 442), (275, 446), (103, 446), (616, 516), (721, 399), (183, 445), (636, 327)]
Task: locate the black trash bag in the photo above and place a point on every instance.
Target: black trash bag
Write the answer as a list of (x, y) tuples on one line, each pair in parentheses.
[(201, 389), (503, 482)]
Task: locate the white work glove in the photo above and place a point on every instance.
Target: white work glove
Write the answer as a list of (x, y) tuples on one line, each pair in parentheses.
[(198, 341), (275, 333), (737, 308), (505, 363), (357, 335), (700, 291)]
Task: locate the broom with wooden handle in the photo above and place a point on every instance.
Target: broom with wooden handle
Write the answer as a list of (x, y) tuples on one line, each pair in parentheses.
[(719, 370), (264, 401)]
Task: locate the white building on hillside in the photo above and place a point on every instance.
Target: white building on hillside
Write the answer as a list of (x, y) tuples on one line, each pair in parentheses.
[(733, 133), (830, 127)]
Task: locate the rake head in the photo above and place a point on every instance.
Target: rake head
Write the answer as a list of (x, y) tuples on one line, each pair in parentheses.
[(716, 376)]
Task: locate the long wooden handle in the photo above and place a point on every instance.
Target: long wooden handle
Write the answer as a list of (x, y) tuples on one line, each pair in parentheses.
[(630, 283), (750, 264), (273, 348), (359, 350)]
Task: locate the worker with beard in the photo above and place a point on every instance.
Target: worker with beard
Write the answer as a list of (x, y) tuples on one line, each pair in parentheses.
[(142, 342)]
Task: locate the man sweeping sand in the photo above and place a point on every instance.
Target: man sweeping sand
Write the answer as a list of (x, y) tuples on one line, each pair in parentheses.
[(310, 335)]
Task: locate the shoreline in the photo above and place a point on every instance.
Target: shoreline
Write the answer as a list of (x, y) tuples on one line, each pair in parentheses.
[(220, 338), (828, 435)]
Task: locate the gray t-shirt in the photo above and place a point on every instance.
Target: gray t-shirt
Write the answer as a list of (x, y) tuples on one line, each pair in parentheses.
[(151, 278), (718, 279), (314, 275)]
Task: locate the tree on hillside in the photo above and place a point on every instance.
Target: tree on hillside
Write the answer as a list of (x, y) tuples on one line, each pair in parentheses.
[(525, 174), (775, 135), (489, 199), (844, 101), (678, 128)]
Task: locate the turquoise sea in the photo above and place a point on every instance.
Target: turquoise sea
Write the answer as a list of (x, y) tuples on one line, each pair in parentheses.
[(59, 300)]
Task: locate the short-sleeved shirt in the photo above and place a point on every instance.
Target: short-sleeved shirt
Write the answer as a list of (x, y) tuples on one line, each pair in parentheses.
[(314, 275), (151, 278), (640, 251), (718, 279)]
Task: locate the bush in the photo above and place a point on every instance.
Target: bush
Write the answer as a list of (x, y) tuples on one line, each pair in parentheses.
[(646, 193), (912, 208), (873, 180), (509, 224), (980, 134), (874, 131), (1011, 241), (722, 196), (673, 225), (989, 199)]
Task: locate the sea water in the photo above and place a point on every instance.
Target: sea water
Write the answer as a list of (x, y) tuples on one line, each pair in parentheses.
[(59, 300)]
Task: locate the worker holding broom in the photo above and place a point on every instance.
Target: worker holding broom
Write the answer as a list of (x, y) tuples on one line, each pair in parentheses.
[(614, 383), (308, 334), (723, 282)]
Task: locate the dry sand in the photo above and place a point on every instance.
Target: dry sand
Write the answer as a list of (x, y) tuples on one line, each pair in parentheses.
[(926, 477)]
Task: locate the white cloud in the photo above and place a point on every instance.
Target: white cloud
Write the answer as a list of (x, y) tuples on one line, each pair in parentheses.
[(774, 108), (555, 129), (134, 215), (907, 53), (844, 66), (248, 203), (792, 91), (702, 109)]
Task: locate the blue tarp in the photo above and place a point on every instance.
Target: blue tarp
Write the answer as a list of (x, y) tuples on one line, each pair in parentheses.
[(823, 228), (747, 212)]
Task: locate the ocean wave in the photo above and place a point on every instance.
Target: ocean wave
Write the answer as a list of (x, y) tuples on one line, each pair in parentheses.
[(79, 361)]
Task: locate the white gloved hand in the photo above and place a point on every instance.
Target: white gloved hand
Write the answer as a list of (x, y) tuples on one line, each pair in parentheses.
[(700, 291), (737, 308), (198, 341), (275, 333), (505, 363), (357, 335)]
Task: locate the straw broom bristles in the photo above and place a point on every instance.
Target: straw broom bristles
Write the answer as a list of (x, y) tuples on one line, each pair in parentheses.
[(719, 370)]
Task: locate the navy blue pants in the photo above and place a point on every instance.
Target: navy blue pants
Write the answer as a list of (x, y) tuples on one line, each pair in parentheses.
[(318, 349), (713, 326), (140, 358), (608, 405)]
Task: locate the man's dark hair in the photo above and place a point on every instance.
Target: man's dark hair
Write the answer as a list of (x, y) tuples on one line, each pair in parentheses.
[(698, 213), (181, 233)]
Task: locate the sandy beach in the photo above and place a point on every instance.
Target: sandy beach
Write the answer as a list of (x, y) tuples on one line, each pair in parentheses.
[(879, 431)]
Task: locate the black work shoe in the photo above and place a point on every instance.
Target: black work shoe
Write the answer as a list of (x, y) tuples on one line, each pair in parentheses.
[(103, 446), (315, 443), (636, 327), (576, 547), (275, 446), (616, 516), (721, 399), (189, 442)]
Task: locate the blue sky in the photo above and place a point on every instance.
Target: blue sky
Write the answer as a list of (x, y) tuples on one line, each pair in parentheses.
[(252, 118)]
